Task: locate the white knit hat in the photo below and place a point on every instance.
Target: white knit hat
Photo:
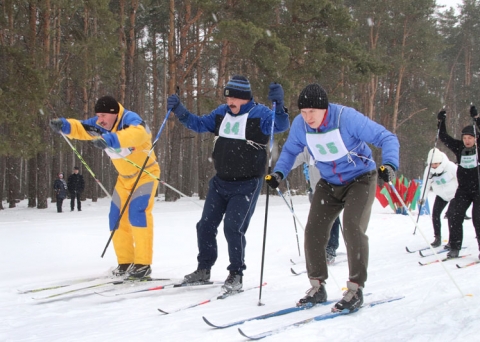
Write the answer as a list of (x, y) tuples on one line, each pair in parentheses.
[(437, 156)]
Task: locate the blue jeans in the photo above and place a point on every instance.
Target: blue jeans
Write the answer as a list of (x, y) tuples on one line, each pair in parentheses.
[(234, 202)]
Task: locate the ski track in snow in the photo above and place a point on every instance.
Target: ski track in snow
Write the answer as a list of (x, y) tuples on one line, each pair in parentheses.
[(41, 248)]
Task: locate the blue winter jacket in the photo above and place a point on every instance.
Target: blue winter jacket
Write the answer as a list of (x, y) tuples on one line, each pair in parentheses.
[(356, 130), (237, 159)]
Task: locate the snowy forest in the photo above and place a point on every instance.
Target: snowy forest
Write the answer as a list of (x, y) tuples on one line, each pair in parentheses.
[(398, 62)]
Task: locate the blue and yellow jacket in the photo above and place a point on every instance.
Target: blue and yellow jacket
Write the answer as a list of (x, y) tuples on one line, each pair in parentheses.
[(130, 137)]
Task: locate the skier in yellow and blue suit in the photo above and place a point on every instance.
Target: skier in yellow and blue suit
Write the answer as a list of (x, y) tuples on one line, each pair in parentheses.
[(123, 134)]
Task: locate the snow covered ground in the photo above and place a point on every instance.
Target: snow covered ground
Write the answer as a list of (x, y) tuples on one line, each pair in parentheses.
[(41, 247)]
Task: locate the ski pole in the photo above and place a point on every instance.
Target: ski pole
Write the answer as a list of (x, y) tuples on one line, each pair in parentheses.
[(274, 106), (423, 235), (152, 175), (425, 185), (86, 166), (115, 227), (290, 208), (294, 221)]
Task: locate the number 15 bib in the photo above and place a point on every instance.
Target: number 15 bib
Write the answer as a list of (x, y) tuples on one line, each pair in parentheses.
[(328, 146)]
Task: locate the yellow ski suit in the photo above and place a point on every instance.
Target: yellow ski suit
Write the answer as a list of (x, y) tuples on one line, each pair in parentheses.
[(131, 138)]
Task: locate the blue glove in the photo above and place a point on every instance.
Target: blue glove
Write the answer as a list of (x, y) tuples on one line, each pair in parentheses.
[(174, 103), (275, 94), (473, 112), (100, 143), (56, 125), (273, 180)]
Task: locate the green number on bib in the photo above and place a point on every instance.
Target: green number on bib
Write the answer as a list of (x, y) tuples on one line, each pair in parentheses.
[(330, 146), (321, 149), (227, 128), (236, 128)]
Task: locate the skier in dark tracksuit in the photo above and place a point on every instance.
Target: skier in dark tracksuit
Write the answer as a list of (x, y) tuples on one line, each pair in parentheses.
[(337, 137), (242, 130), (466, 151)]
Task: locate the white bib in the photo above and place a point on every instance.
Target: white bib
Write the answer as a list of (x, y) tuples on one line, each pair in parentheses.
[(233, 127), (328, 146), (468, 162), (119, 152), (442, 179)]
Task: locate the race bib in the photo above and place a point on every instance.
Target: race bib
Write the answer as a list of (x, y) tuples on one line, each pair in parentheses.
[(468, 162), (443, 179), (119, 153), (328, 146), (233, 127)]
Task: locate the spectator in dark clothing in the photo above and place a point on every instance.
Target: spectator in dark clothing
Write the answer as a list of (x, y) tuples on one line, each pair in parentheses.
[(76, 184), (60, 187)]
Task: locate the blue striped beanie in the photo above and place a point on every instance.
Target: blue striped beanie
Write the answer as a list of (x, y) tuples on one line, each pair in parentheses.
[(238, 87)]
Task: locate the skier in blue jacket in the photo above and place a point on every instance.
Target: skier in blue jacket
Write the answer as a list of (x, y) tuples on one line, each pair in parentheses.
[(337, 137), (242, 130)]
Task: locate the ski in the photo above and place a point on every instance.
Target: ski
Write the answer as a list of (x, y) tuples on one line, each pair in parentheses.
[(217, 297), (305, 271), (297, 262), (422, 254), (109, 282), (58, 286), (322, 317), (297, 272), (268, 315), (277, 313), (420, 249), (441, 260), (469, 264), (161, 287)]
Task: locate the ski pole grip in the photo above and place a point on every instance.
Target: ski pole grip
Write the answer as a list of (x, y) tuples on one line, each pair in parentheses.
[(268, 177), (382, 168)]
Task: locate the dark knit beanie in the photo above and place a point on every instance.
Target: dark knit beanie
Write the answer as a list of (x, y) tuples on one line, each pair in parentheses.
[(107, 104), (238, 87), (76, 168), (468, 130), (313, 96)]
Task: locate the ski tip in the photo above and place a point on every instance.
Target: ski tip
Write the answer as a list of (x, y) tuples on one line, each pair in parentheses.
[(458, 266), (293, 271), (249, 337), (164, 312), (208, 322)]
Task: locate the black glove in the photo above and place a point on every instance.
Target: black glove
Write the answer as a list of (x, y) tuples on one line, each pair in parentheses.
[(442, 115), (100, 143), (56, 125), (473, 111), (276, 94), (386, 172), (273, 180)]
